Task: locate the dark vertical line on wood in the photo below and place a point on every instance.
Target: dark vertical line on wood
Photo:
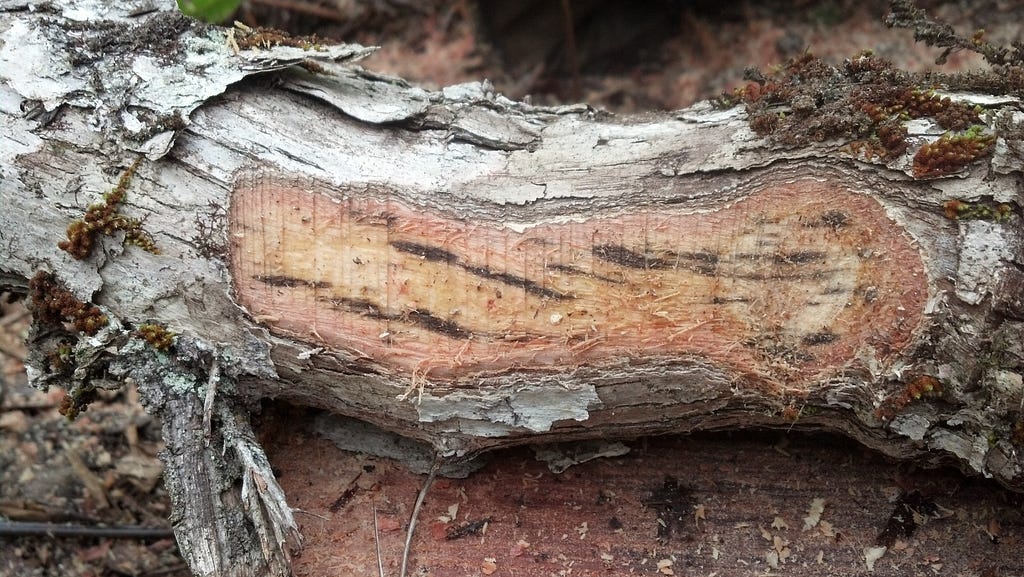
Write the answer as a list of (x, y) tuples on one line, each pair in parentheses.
[(316, 265), (570, 50), (387, 260)]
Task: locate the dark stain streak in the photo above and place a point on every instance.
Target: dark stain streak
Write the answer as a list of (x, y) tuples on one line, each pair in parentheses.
[(568, 268), (435, 254), (820, 338), (800, 257), (835, 219), (727, 300), (748, 256), (361, 306), (516, 281), (429, 321), (622, 256), (419, 317), (912, 510), (705, 270), (290, 281), (431, 253), (706, 264), (672, 503), (346, 495), (385, 219), (814, 276), (703, 256)]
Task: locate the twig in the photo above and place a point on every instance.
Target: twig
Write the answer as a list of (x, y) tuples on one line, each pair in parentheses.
[(13, 316), (29, 407), (416, 512), (211, 393), (26, 528), (570, 50), (16, 355), (311, 514), (376, 542), (176, 568)]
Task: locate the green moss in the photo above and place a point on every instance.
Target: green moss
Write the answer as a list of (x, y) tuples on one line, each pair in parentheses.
[(962, 210), (953, 151), (61, 360), (53, 305), (104, 218), (864, 103), (77, 401), (920, 387), (157, 336), (244, 37)]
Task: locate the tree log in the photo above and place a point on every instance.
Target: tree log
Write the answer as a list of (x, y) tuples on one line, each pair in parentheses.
[(473, 273)]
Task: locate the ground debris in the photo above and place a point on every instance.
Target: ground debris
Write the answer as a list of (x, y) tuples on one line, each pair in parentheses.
[(466, 529), (673, 504), (911, 511)]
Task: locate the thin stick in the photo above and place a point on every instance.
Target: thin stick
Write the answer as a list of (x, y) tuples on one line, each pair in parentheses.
[(16, 355), (26, 528), (211, 394), (376, 541), (416, 512)]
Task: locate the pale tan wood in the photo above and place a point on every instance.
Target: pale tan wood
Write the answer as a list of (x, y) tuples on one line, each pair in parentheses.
[(786, 287)]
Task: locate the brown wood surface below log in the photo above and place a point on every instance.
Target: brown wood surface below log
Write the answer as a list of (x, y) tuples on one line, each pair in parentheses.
[(784, 287), (739, 504)]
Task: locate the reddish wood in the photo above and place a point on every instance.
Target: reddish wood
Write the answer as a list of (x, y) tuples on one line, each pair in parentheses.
[(785, 286), (743, 495)]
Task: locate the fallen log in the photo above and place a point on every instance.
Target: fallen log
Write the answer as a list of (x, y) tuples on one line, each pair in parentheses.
[(226, 216)]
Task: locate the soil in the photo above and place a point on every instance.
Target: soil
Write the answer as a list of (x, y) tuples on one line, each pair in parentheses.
[(726, 504), (99, 471)]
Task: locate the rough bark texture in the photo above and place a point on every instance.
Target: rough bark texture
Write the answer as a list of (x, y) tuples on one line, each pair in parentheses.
[(919, 354)]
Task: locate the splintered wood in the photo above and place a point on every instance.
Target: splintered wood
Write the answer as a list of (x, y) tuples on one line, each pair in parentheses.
[(792, 283)]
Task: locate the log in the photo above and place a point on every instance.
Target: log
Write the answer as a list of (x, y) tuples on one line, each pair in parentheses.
[(226, 216)]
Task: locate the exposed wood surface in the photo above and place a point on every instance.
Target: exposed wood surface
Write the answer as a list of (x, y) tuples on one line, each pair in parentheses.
[(785, 286), (731, 504), (895, 323)]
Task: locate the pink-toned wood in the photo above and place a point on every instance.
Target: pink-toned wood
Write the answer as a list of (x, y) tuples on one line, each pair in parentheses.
[(788, 285)]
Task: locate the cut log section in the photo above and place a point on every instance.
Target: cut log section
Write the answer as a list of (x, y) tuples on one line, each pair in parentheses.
[(795, 283)]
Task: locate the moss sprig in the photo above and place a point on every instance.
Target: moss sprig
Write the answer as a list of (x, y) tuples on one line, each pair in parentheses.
[(904, 14), (53, 305), (962, 210), (923, 386), (157, 336), (244, 37), (105, 218), (75, 403), (953, 151)]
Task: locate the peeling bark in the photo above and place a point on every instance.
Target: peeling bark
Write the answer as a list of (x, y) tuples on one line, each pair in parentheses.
[(919, 354)]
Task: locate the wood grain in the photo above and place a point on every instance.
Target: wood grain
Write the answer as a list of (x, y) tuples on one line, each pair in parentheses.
[(788, 285)]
